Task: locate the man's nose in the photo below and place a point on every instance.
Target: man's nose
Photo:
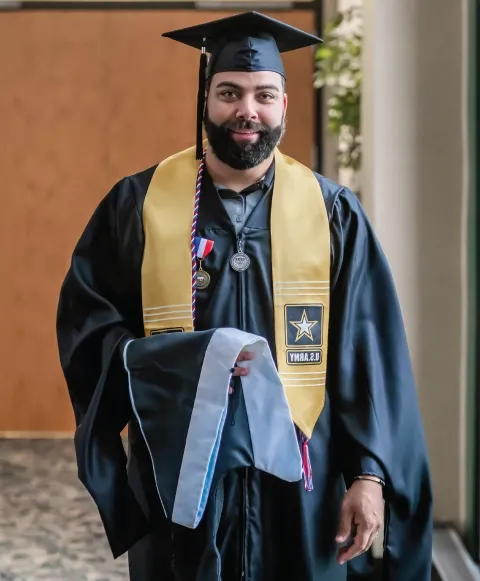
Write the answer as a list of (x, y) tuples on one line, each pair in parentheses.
[(247, 109)]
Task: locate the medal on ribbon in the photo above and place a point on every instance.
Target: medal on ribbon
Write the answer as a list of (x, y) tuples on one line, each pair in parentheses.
[(239, 261), (203, 247)]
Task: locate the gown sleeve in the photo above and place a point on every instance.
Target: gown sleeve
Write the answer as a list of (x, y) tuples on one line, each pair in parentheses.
[(372, 390), (99, 303)]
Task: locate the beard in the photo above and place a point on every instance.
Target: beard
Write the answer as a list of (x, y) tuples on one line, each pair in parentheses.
[(242, 155)]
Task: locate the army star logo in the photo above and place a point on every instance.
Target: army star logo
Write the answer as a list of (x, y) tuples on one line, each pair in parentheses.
[(304, 327)]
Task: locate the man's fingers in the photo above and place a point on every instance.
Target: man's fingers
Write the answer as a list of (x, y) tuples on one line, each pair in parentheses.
[(241, 371), (373, 536), (359, 546), (245, 356), (345, 524)]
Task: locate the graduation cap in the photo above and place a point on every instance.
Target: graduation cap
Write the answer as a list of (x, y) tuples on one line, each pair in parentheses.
[(245, 42)]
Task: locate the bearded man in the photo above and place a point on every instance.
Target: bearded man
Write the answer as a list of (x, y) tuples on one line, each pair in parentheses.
[(236, 311)]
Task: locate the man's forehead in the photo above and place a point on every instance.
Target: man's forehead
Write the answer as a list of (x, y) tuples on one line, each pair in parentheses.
[(248, 80)]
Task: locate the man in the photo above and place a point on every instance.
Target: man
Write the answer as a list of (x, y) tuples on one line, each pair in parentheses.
[(236, 311)]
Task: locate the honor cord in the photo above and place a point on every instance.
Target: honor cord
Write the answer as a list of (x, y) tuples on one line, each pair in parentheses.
[(198, 189)]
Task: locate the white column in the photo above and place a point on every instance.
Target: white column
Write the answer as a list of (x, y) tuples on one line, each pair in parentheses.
[(389, 180), (414, 188)]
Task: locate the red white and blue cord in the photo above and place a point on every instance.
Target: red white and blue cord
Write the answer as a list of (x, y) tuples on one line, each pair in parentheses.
[(198, 189)]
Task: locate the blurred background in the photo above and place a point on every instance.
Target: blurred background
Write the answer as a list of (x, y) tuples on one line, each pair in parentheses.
[(90, 92)]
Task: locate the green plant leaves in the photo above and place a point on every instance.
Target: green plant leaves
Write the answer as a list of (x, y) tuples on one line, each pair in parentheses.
[(339, 67)]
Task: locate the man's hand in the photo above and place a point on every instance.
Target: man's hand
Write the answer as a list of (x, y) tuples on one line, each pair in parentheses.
[(362, 507), (244, 356)]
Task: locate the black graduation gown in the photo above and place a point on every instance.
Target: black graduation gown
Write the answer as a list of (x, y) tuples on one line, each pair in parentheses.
[(268, 529)]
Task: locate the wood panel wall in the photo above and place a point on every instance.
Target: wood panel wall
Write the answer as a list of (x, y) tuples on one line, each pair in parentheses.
[(87, 98)]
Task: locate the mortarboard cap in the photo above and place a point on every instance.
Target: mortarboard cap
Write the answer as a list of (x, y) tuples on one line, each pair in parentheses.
[(245, 42)]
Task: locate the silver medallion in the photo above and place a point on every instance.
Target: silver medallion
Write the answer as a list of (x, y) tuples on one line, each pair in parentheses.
[(203, 279), (240, 261)]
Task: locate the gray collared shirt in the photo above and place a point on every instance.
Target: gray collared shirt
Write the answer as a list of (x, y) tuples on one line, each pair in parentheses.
[(239, 205)]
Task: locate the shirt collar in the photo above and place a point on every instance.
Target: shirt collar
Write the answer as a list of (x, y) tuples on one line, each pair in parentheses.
[(264, 184)]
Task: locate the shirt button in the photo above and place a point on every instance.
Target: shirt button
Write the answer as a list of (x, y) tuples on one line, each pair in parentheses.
[(239, 218)]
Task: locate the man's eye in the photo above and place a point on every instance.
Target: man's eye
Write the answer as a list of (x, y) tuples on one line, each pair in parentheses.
[(266, 97), (228, 94)]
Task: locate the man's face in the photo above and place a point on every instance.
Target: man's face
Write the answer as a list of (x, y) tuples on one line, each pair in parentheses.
[(245, 116)]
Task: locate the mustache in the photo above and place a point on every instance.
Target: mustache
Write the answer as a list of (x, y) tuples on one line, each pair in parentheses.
[(246, 125)]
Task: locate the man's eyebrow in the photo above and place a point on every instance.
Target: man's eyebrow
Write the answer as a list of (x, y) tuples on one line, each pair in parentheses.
[(267, 88), (232, 85), (229, 84)]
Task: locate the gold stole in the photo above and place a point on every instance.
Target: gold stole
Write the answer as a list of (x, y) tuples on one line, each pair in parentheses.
[(300, 240)]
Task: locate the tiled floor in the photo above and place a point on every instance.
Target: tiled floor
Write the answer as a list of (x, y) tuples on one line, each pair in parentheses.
[(49, 527)]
